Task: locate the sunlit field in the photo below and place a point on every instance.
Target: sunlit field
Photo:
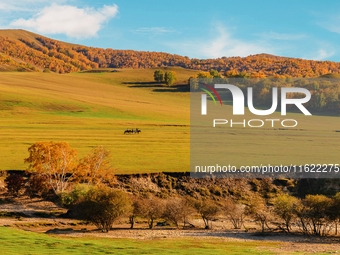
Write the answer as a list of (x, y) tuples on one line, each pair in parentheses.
[(15, 241), (90, 109)]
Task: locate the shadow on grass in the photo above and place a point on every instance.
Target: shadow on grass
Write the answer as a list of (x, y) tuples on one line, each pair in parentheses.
[(159, 87), (176, 88), (267, 236), (150, 83), (199, 233)]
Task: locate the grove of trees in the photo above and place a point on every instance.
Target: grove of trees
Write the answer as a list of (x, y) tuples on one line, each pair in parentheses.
[(90, 190), (168, 77)]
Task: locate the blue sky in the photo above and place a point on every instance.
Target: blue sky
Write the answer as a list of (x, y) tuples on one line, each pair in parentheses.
[(306, 29)]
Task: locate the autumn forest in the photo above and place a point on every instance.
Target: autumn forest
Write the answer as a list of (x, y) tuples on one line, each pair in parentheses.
[(37, 53)]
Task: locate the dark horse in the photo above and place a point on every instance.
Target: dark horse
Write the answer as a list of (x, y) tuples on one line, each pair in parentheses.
[(128, 131), (132, 131)]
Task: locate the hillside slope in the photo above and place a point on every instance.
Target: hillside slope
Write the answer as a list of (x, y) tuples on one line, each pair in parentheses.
[(91, 109), (21, 50)]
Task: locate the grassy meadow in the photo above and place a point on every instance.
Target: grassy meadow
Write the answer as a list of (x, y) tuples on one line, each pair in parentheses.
[(14, 241), (90, 109)]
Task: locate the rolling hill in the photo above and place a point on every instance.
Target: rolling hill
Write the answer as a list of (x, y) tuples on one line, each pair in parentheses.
[(88, 109), (21, 50), (91, 109)]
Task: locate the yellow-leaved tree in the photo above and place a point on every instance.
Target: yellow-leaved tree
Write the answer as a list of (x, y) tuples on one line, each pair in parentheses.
[(96, 168), (55, 160)]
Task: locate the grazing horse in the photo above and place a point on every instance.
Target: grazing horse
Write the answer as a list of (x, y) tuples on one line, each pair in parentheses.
[(132, 131), (128, 131)]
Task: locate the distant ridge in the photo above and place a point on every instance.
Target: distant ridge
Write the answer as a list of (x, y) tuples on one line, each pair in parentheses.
[(26, 35), (21, 50)]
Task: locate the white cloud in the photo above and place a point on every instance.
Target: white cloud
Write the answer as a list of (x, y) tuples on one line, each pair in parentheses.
[(153, 30), (225, 43), (222, 44), (69, 20), (331, 23), (322, 54)]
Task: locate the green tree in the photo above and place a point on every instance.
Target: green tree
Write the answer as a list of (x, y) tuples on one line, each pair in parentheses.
[(258, 208), (284, 207), (334, 212), (170, 78), (319, 101), (102, 206), (214, 73), (158, 76), (313, 214)]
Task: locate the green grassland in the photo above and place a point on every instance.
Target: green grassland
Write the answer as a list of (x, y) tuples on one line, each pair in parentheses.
[(13, 241), (90, 109)]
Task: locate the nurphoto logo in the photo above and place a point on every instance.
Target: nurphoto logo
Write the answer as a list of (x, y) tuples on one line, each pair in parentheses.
[(238, 105)]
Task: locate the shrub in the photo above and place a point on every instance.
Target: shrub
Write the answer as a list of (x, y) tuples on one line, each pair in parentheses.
[(14, 182), (37, 185), (80, 191), (102, 206), (285, 207)]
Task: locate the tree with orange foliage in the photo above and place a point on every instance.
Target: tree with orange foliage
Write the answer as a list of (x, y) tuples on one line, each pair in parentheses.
[(56, 161), (95, 168)]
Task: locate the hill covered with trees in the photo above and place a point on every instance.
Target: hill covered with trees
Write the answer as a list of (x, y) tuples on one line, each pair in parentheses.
[(21, 50)]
